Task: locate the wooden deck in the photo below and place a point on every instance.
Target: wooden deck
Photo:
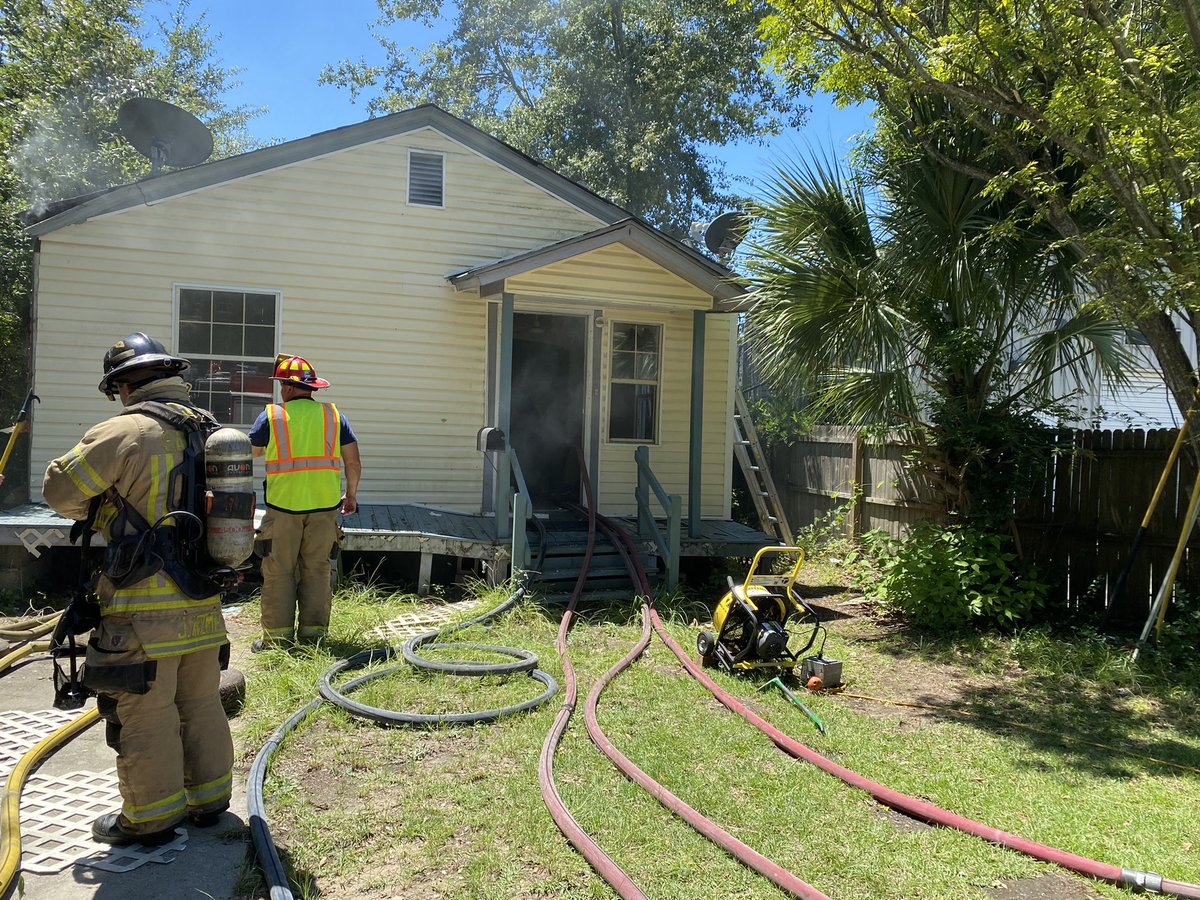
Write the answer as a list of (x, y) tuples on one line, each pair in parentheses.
[(407, 528)]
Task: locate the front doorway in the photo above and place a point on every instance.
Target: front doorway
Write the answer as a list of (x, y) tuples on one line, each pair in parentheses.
[(547, 410)]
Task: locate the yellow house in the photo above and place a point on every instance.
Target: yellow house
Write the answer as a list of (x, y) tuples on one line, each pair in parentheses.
[(445, 284)]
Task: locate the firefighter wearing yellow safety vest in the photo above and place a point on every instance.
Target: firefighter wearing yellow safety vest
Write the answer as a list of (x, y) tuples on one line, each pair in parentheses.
[(154, 661), (306, 443)]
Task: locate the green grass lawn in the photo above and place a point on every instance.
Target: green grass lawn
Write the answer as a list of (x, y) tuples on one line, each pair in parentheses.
[(364, 811)]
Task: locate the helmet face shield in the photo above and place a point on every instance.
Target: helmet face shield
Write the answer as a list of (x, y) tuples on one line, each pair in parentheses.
[(137, 358)]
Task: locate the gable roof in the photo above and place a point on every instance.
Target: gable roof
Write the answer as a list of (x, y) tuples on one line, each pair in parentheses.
[(182, 181), (674, 256)]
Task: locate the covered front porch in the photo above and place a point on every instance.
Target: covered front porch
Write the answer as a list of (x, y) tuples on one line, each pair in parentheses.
[(604, 350)]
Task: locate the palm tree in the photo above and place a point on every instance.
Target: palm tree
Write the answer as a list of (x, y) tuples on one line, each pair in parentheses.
[(942, 308)]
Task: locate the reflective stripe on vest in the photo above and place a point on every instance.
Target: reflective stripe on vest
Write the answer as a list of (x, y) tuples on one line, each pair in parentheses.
[(304, 456)]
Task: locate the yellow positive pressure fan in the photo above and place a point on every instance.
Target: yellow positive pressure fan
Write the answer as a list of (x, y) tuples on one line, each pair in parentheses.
[(750, 622)]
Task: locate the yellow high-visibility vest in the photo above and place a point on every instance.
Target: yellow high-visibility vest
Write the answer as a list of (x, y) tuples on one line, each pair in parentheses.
[(304, 456)]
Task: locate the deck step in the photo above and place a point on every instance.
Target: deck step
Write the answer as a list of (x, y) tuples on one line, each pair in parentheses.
[(561, 558)]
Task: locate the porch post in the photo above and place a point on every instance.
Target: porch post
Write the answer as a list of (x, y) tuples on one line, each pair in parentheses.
[(503, 484), (696, 435)]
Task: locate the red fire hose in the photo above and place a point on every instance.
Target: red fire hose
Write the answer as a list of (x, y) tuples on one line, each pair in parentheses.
[(745, 854), (1136, 880), (580, 839)]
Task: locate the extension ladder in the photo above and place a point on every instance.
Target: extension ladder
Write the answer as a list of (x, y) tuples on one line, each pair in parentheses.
[(750, 457)]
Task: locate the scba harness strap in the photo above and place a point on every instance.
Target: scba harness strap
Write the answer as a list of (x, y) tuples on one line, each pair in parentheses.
[(138, 549)]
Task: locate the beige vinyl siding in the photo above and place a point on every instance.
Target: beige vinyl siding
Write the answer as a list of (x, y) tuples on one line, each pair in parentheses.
[(617, 274), (629, 288), (361, 275), (669, 455)]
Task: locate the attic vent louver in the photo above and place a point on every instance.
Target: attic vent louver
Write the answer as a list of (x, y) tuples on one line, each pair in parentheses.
[(425, 179)]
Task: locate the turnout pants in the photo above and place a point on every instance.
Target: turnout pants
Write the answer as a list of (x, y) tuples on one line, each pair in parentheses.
[(297, 577), (174, 751)]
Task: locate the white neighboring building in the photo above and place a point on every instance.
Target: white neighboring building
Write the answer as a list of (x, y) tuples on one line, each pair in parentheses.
[(1143, 403)]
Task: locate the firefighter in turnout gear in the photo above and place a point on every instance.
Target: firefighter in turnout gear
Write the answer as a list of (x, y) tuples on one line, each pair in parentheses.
[(155, 659), (306, 443)]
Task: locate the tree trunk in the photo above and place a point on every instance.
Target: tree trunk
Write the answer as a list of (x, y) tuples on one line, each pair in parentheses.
[(1168, 348)]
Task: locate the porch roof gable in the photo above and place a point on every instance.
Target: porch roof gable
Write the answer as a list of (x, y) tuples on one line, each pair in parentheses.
[(705, 274)]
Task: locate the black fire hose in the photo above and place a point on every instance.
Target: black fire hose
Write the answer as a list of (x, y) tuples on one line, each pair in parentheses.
[(260, 832)]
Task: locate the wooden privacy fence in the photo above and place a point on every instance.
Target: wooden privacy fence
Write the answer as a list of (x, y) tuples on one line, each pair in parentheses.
[(1078, 526)]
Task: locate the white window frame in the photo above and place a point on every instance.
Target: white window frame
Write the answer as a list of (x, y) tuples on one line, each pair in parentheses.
[(613, 379), (408, 178), (179, 287)]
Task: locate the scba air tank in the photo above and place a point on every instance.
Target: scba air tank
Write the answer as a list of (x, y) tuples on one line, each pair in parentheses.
[(229, 482)]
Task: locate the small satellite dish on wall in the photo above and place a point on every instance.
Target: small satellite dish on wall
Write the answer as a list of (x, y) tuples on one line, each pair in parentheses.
[(725, 232), (164, 133)]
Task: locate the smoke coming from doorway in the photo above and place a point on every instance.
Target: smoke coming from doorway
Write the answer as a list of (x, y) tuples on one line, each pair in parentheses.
[(549, 357)]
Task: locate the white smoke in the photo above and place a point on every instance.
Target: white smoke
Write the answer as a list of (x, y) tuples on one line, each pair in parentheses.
[(66, 148)]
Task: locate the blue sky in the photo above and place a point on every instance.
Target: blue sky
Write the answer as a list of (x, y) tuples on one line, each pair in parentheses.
[(282, 45)]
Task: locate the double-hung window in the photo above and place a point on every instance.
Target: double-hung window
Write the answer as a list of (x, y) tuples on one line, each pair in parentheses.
[(633, 391), (229, 337)]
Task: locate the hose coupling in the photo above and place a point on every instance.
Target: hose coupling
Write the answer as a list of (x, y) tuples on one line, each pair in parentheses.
[(1139, 882)]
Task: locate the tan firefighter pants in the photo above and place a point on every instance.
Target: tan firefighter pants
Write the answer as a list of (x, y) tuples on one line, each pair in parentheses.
[(296, 552), (174, 752)]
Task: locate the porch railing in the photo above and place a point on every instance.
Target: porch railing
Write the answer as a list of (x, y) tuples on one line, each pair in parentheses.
[(522, 510), (668, 544)]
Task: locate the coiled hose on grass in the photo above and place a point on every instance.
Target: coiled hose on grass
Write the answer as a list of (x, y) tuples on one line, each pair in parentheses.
[(911, 806), (523, 661)]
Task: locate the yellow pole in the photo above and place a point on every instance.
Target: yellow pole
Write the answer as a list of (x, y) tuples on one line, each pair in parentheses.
[(1159, 610), (22, 424), (1119, 588)]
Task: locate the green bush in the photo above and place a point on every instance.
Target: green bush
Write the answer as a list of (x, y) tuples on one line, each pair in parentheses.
[(1179, 643), (947, 577)]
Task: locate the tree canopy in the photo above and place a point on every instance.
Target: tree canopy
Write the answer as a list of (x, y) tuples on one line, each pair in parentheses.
[(65, 69), (1091, 109), (940, 308), (624, 96)]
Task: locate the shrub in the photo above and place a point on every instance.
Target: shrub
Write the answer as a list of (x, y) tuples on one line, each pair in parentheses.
[(946, 577), (1179, 643)]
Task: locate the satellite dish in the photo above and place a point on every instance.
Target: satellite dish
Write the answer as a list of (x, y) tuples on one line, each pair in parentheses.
[(164, 133), (725, 232)]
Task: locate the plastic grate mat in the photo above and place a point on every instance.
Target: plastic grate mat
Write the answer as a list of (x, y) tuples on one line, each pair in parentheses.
[(56, 825), (411, 624), (21, 730)]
